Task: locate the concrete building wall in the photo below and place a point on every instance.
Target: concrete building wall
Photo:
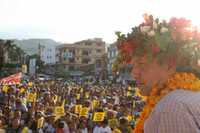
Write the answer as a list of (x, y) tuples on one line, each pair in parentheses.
[(82, 55), (48, 54), (112, 55)]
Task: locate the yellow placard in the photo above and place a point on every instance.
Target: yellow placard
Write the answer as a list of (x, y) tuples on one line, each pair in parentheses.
[(133, 104), (59, 111), (30, 84), (31, 97), (99, 116), (24, 68), (116, 131), (128, 93), (78, 109), (55, 98), (129, 88), (87, 94), (22, 90), (78, 96), (129, 117), (63, 103), (81, 90), (24, 130), (84, 112), (40, 122), (5, 88), (137, 92), (95, 103)]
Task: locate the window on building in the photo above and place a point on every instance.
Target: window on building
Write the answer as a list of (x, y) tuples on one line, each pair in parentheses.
[(64, 58), (98, 63), (88, 43), (72, 51), (85, 60), (71, 60), (98, 44), (85, 52), (110, 54), (71, 68), (98, 50)]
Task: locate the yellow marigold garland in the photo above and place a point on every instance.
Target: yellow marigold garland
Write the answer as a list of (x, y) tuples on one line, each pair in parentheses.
[(187, 81)]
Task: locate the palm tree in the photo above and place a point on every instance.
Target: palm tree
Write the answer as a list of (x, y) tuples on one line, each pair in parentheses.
[(15, 54)]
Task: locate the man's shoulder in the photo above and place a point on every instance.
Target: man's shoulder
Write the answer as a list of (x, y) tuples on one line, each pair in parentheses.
[(178, 99)]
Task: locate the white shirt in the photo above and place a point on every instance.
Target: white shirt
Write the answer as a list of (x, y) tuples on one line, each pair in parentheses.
[(97, 129), (106, 129), (84, 130), (116, 100)]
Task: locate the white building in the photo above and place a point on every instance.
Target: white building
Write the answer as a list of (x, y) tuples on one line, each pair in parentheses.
[(48, 54), (112, 54)]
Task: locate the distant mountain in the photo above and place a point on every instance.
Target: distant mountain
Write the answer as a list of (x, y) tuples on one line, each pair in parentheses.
[(31, 46)]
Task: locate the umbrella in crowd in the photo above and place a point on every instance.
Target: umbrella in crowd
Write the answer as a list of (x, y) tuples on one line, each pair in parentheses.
[(12, 79)]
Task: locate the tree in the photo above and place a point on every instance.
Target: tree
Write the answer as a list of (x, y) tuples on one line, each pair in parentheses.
[(4, 47), (15, 55)]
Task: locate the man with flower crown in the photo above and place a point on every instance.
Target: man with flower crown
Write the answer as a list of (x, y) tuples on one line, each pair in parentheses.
[(165, 58)]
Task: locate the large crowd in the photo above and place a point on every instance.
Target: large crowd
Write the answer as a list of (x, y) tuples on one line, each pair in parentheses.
[(68, 107)]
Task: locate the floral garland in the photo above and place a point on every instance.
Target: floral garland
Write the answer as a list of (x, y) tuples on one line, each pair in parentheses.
[(175, 42), (186, 81)]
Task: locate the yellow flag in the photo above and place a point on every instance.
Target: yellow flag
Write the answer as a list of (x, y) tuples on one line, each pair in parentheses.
[(99, 116), (78, 109), (59, 111), (84, 112), (40, 122)]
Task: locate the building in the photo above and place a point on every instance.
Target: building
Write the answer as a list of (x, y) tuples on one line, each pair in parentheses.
[(112, 55), (124, 74), (85, 57), (47, 54)]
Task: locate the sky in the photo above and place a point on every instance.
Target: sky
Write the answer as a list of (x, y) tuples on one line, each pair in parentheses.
[(69, 21)]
